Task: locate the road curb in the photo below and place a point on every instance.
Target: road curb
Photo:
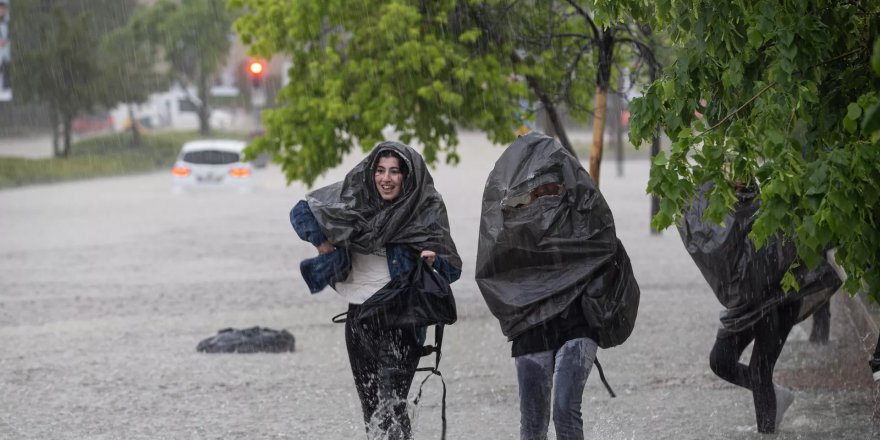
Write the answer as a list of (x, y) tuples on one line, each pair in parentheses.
[(867, 330)]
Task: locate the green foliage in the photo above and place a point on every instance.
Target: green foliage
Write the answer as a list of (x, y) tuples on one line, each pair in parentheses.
[(359, 66), (422, 68), (97, 157), (194, 39), (127, 67), (55, 60), (786, 95)]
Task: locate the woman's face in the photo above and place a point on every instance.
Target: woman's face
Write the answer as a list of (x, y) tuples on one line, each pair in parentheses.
[(388, 178)]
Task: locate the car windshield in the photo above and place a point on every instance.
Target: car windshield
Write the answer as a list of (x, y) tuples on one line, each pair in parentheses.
[(211, 157)]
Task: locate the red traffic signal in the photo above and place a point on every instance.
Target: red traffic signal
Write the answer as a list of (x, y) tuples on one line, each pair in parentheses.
[(256, 68)]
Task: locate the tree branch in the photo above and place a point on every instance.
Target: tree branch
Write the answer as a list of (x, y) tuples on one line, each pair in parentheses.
[(566, 85), (549, 107), (570, 34), (730, 115), (768, 86), (839, 57), (586, 16)]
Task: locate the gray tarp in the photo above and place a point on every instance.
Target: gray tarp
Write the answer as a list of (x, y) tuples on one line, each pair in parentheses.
[(533, 260), (747, 280), (351, 213)]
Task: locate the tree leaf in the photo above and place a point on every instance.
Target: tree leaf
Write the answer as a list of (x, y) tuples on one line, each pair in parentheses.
[(853, 111), (871, 122)]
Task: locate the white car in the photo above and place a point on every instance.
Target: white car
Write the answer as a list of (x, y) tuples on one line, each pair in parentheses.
[(212, 164)]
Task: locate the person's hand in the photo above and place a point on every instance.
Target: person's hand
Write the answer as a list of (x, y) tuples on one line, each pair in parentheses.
[(326, 248), (429, 256)]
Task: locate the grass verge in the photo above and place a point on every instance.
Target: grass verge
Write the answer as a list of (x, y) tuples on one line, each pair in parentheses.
[(109, 155)]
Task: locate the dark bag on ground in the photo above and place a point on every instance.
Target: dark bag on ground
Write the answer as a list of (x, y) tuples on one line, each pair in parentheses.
[(611, 301), (420, 299), (249, 340)]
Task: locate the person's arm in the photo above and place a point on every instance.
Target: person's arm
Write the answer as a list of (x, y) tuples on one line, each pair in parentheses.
[(448, 271), (307, 228)]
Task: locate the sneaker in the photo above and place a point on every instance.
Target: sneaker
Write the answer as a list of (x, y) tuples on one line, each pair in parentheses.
[(784, 398), (874, 363)]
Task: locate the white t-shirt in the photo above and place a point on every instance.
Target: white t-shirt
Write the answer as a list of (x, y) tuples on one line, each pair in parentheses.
[(369, 273)]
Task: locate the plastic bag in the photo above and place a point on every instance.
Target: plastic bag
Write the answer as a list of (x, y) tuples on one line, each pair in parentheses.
[(420, 299), (249, 340)]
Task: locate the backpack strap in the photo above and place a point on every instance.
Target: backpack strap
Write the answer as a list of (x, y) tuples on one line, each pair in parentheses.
[(437, 350), (602, 377), (340, 318)]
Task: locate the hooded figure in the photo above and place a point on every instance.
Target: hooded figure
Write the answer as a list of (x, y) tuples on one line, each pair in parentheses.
[(352, 213), (539, 253), (746, 282), (551, 269), (370, 229)]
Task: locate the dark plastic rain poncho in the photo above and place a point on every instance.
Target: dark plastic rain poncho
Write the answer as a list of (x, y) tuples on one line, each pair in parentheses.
[(747, 280), (352, 214), (534, 259)]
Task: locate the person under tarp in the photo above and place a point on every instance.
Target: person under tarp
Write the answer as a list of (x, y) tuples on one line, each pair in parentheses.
[(747, 282), (370, 230), (554, 274)]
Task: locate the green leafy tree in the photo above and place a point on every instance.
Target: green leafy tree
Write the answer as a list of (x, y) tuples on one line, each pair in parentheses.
[(781, 93), (106, 15), (194, 38), (601, 46), (423, 68), (55, 64), (128, 72)]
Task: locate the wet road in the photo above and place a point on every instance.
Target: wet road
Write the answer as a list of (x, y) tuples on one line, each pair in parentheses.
[(106, 287)]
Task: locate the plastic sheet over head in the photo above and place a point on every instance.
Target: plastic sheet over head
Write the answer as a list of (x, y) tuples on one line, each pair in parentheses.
[(540, 250), (747, 280), (353, 215)]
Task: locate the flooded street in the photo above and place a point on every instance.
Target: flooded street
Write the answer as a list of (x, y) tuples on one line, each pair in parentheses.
[(108, 285)]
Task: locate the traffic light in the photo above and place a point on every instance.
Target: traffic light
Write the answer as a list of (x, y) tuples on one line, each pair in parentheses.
[(256, 69)]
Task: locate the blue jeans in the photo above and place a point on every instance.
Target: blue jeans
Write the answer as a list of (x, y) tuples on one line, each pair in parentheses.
[(538, 374)]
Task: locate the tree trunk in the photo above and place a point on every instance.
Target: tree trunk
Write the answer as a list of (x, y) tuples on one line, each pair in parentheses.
[(655, 150), (603, 80), (135, 131), (598, 134), (655, 201), (204, 110), (617, 123), (53, 119), (542, 119), (68, 123), (552, 115), (549, 108)]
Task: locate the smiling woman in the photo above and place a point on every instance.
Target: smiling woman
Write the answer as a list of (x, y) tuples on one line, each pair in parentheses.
[(389, 175), (369, 229)]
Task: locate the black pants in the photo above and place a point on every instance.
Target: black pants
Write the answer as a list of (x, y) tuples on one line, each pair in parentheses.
[(769, 335), (383, 362)]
